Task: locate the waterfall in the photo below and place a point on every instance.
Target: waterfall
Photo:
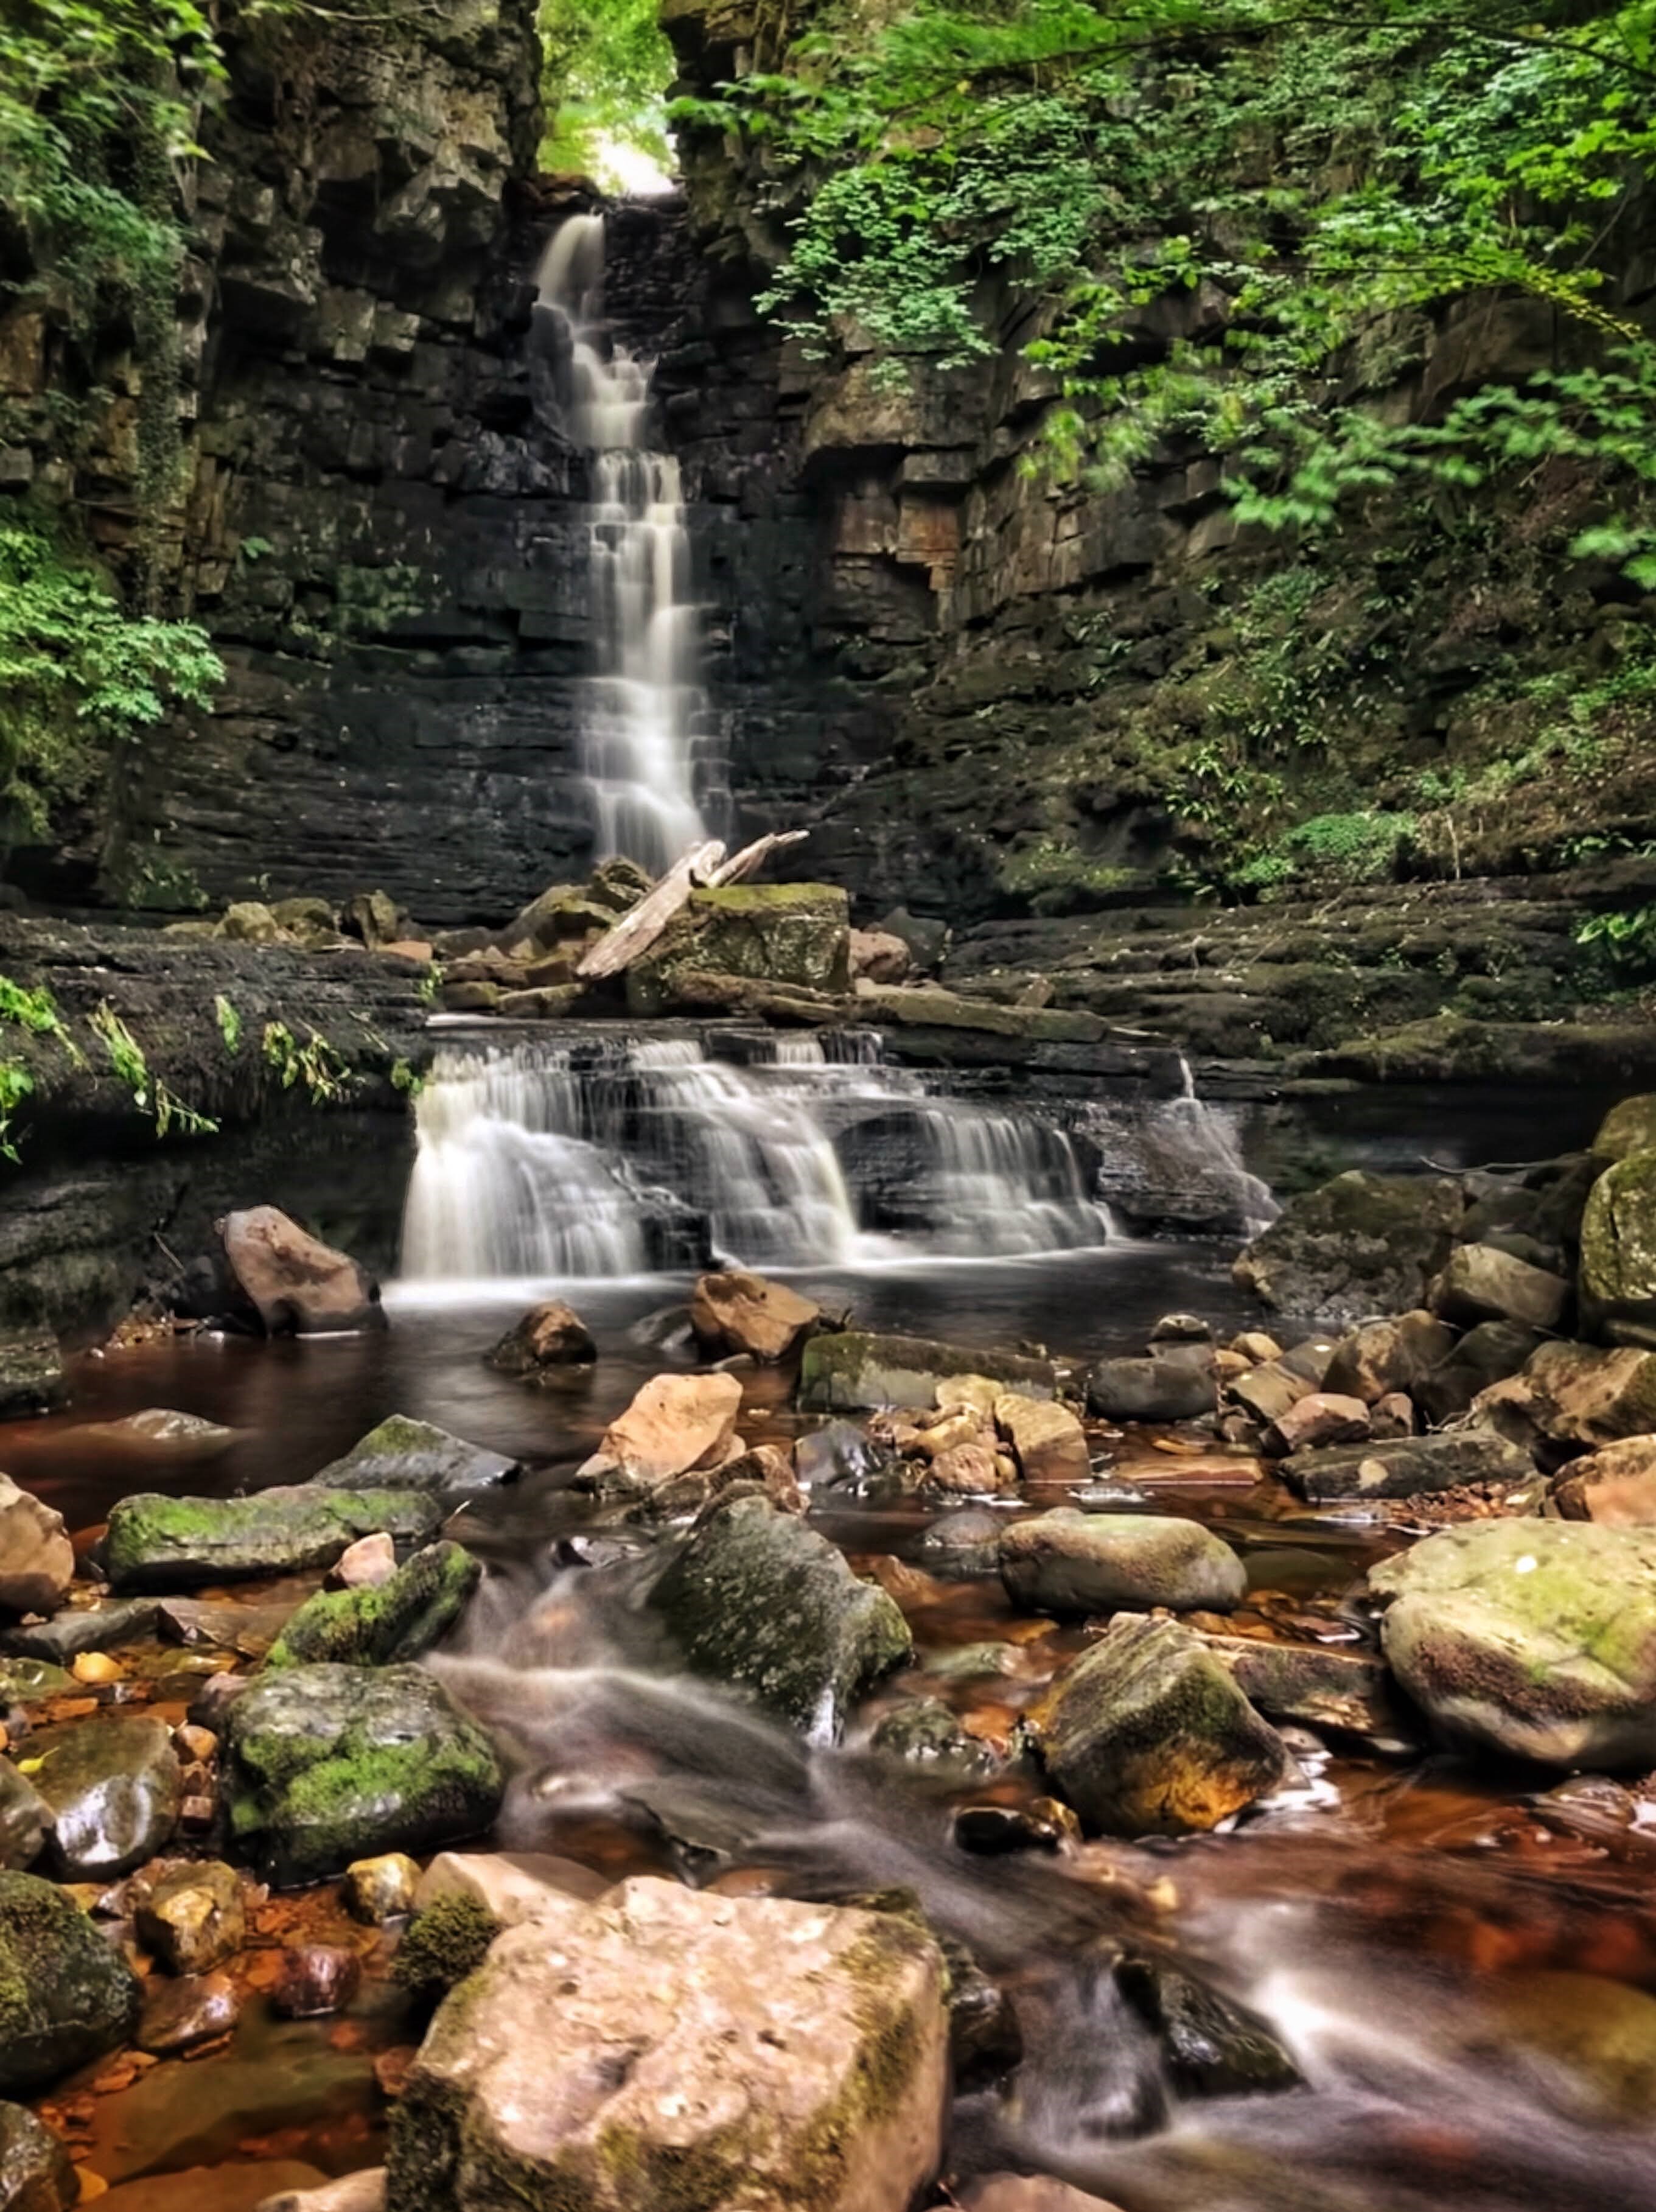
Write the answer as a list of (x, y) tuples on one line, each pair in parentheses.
[(643, 702), (610, 1155), (1181, 1163)]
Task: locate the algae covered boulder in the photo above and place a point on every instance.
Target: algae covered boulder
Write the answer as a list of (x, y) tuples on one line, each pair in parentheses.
[(157, 1543), (36, 2172), (1070, 1562), (1534, 1639), (1361, 1244), (380, 1624), (1627, 1127), (666, 2048), (758, 1601), (1147, 1733), (790, 933), (66, 1995), (853, 1370), (1618, 1252), (325, 1765), (402, 1454)]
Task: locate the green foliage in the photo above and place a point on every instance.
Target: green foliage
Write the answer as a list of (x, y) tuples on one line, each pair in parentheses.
[(15, 1084), (1317, 189), (430, 984), (1361, 847), (77, 675), (324, 1072), (149, 1094), (1626, 937), (605, 72), (229, 1021), (405, 1078)]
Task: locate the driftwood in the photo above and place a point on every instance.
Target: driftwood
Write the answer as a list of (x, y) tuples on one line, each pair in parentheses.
[(702, 868)]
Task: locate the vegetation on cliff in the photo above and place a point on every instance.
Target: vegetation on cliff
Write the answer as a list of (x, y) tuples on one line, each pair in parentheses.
[(603, 77)]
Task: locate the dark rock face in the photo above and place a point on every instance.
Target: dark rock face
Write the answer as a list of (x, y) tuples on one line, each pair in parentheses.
[(1361, 1244)]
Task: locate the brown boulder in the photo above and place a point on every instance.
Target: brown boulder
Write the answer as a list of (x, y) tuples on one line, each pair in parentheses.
[(734, 1312), (1616, 1488), (1321, 1417), (1480, 1282), (879, 955), (297, 1286), (1048, 1440), (1384, 1356), (549, 1338), (1574, 1394), (970, 1469), (37, 1561), (674, 1423)]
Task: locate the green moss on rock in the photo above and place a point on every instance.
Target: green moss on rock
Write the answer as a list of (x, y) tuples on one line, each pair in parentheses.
[(157, 1544), (395, 1621), (66, 1995)]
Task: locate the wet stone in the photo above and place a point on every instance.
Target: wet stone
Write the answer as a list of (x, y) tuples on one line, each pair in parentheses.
[(549, 1339), (384, 1623), (314, 1979), (30, 1682), (1213, 2046), (964, 1543), (924, 1735), (66, 1995), (1069, 1562), (181, 2014), (381, 1888), (160, 1544), (113, 1788), (402, 1454), (25, 1818), (37, 1563), (90, 1628), (36, 2174), (192, 1918), (31, 1374)]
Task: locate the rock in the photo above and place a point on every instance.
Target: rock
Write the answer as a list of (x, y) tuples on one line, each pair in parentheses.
[(994, 1831), (315, 1979), (180, 2015), (1068, 1562), (1479, 1282), (925, 1733), (250, 922), (30, 1682), (89, 1628), (1181, 1329), (1361, 1244), (1149, 1390), (407, 1454), (943, 1432), (1618, 1252), (1407, 1467), (972, 1394), (31, 1373), (1146, 1733), (181, 1436), (549, 1338), (297, 1286), (879, 954), (970, 1469), (375, 917), (365, 1564), (1393, 1416), (854, 1371), (1534, 1639), (1628, 1127), (1343, 1693), (822, 2086), (37, 1561), (1257, 1347), (24, 1818), (362, 2191), (382, 1889), (1028, 2192), (66, 1995), (798, 935), (964, 1543), (157, 1543), (674, 1423), (1048, 1440), (1574, 1394), (1385, 1356), (1269, 1392), (737, 1312), (1212, 2047), (925, 936), (326, 1765), (1616, 1488), (756, 1599), (113, 1786), (192, 1918), (949, 1012), (840, 1453), (375, 1626), (1319, 1418), (1487, 1354), (511, 1886), (36, 2174)]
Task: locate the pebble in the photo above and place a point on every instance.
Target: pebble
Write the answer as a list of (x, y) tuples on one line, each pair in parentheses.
[(315, 1979), (381, 1888)]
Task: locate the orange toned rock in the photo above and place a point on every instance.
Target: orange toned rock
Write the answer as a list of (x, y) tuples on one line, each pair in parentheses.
[(676, 1423), (297, 1286), (734, 1311)]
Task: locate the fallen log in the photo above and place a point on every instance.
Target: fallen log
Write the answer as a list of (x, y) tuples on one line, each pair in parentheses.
[(703, 868)]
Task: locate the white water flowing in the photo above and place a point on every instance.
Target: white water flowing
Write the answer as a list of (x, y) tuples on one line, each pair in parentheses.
[(617, 1156), (643, 702)]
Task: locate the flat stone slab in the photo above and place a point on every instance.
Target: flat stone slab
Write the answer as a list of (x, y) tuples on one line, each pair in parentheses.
[(857, 1371)]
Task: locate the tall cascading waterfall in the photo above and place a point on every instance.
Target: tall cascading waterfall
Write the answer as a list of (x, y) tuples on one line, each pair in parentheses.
[(617, 1156), (644, 710)]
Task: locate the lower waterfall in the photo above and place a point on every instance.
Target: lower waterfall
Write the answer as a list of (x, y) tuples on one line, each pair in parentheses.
[(620, 1155)]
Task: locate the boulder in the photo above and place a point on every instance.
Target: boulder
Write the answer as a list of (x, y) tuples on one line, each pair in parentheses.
[(1069, 1562), (1534, 1639), (382, 1889), (511, 1886), (36, 2172), (879, 954), (192, 1918), (1211, 2046), (1149, 1390), (1616, 1486), (949, 1012), (297, 1286), (1407, 1467), (326, 1765), (66, 1995), (972, 1394), (113, 1786), (674, 1423), (82, 1628), (384, 1622), (1627, 1127), (24, 1818), (32, 1378), (1618, 1252), (925, 1733), (315, 1979), (853, 1371), (402, 1454), (1575, 1396), (1048, 1440), (971, 1468), (734, 1312), (838, 1453), (1344, 1694), (1268, 1392), (1146, 1733), (157, 1543), (194, 2009), (1393, 1416), (1480, 1282), (1319, 1418), (1360, 1245), (161, 1429), (362, 2191), (757, 1600), (925, 936), (744, 2088), (37, 1561), (365, 1564), (1384, 1356), (1489, 1354), (375, 917), (794, 934), (549, 1338)]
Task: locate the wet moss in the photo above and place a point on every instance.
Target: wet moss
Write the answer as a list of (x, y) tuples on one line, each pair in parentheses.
[(443, 1944), (398, 1620), (66, 1997), (158, 1543)]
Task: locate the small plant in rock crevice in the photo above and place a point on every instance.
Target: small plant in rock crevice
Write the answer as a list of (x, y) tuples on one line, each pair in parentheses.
[(151, 1095), (323, 1071)]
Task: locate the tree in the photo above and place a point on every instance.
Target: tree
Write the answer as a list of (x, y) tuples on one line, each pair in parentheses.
[(605, 72)]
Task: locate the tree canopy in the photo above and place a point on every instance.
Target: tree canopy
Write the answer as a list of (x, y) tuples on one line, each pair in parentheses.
[(604, 77)]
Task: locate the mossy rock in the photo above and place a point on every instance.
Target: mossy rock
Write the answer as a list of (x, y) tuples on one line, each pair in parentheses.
[(377, 1627), (66, 1995), (1627, 1127), (1359, 1245), (403, 1454), (1618, 1251), (790, 933), (852, 1370), (157, 1543), (328, 1763)]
